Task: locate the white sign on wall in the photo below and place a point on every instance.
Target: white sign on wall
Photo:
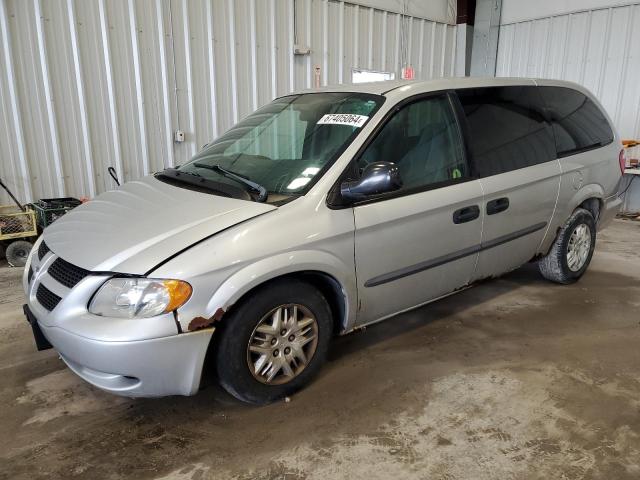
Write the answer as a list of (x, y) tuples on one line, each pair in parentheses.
[(359, 75)]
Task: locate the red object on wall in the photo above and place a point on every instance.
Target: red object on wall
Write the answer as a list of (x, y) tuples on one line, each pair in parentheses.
[(408, 73)]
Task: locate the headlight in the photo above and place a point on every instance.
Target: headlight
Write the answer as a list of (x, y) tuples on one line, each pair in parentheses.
[(139, 297)]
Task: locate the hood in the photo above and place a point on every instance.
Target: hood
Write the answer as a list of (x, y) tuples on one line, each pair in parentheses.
[(133, 229)]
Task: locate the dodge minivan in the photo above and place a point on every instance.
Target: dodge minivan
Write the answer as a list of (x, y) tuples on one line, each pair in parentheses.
[(320, 213)]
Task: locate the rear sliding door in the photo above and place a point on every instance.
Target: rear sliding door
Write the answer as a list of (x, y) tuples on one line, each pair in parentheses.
[(512, 146)]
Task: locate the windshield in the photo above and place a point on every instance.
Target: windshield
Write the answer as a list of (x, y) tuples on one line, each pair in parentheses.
[(285, 145)]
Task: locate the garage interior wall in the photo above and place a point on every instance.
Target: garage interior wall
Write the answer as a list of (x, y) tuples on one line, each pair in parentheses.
[(88, 84), (597, 48)]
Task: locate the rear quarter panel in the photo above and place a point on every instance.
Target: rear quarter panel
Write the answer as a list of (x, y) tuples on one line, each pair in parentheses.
[(591, 174)]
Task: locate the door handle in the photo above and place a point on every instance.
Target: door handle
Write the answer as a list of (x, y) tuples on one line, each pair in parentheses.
[(466, 214), (498, 205)]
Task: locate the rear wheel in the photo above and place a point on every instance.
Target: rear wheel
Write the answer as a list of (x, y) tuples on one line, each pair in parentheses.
[(572, 250), (18, 252), (274, 342)]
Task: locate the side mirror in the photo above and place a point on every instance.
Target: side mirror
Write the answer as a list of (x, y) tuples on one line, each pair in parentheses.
[(378, 177)]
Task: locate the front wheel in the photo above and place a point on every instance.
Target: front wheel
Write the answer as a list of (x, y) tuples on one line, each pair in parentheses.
[(274, 342), (572, 249)]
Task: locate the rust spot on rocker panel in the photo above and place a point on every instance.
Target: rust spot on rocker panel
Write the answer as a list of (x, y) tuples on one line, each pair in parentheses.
[(199, 323)]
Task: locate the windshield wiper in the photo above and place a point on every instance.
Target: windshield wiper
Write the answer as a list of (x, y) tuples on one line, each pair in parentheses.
[(198, 182), (262, 192)]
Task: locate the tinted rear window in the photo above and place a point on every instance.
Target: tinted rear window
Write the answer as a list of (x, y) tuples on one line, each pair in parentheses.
[(578, 123), (507, 128)]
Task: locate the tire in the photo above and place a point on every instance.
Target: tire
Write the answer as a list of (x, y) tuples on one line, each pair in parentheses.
[(17, 253), (558, 265), (243, 372)]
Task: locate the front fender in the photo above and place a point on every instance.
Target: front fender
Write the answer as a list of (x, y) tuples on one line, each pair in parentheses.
[(270, 268)]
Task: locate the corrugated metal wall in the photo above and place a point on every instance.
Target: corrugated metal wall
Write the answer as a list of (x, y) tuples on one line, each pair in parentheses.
[(599, 49), (87, 84)]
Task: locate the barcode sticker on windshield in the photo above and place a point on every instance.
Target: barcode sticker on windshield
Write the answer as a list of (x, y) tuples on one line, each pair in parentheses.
[(343, 119)]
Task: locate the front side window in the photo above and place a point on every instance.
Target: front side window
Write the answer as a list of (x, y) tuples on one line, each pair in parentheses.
[(284, 145), (424, 141), (578, 123), (507, 128)]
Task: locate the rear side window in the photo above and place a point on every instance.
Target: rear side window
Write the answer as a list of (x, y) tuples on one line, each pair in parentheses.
[(578, 123), (507, 128)]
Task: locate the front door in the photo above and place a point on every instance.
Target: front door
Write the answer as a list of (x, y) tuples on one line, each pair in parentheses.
[(420, 242)]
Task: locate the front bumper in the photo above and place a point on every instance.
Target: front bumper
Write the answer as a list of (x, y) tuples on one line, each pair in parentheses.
[(145, 368), (145, 357)]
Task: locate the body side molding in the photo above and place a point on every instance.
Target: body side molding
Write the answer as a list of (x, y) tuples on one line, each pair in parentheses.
[(436, 262)]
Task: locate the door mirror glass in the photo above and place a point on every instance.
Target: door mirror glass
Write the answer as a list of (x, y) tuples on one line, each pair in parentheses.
[(377, 178)]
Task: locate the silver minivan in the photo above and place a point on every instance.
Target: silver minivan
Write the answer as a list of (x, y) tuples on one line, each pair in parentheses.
[(320, 213)]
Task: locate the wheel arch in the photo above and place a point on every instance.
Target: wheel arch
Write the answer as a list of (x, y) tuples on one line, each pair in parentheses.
[(592, 205), (324, 271), (589, 197), (329, 286)]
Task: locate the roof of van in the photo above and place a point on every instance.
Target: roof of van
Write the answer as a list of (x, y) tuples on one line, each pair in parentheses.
[(382, 88)]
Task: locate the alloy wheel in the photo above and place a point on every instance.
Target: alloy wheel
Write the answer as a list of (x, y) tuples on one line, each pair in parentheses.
[(578, 247), (282, 344)]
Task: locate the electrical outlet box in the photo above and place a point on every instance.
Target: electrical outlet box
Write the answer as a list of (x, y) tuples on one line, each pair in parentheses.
[(178, 136)]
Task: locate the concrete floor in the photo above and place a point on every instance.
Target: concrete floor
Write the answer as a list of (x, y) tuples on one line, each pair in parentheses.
[(515, 378)]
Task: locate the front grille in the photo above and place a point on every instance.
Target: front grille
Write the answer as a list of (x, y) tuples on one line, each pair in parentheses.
[(30, 274), (67, 274), (47, 298), (43, 250)]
